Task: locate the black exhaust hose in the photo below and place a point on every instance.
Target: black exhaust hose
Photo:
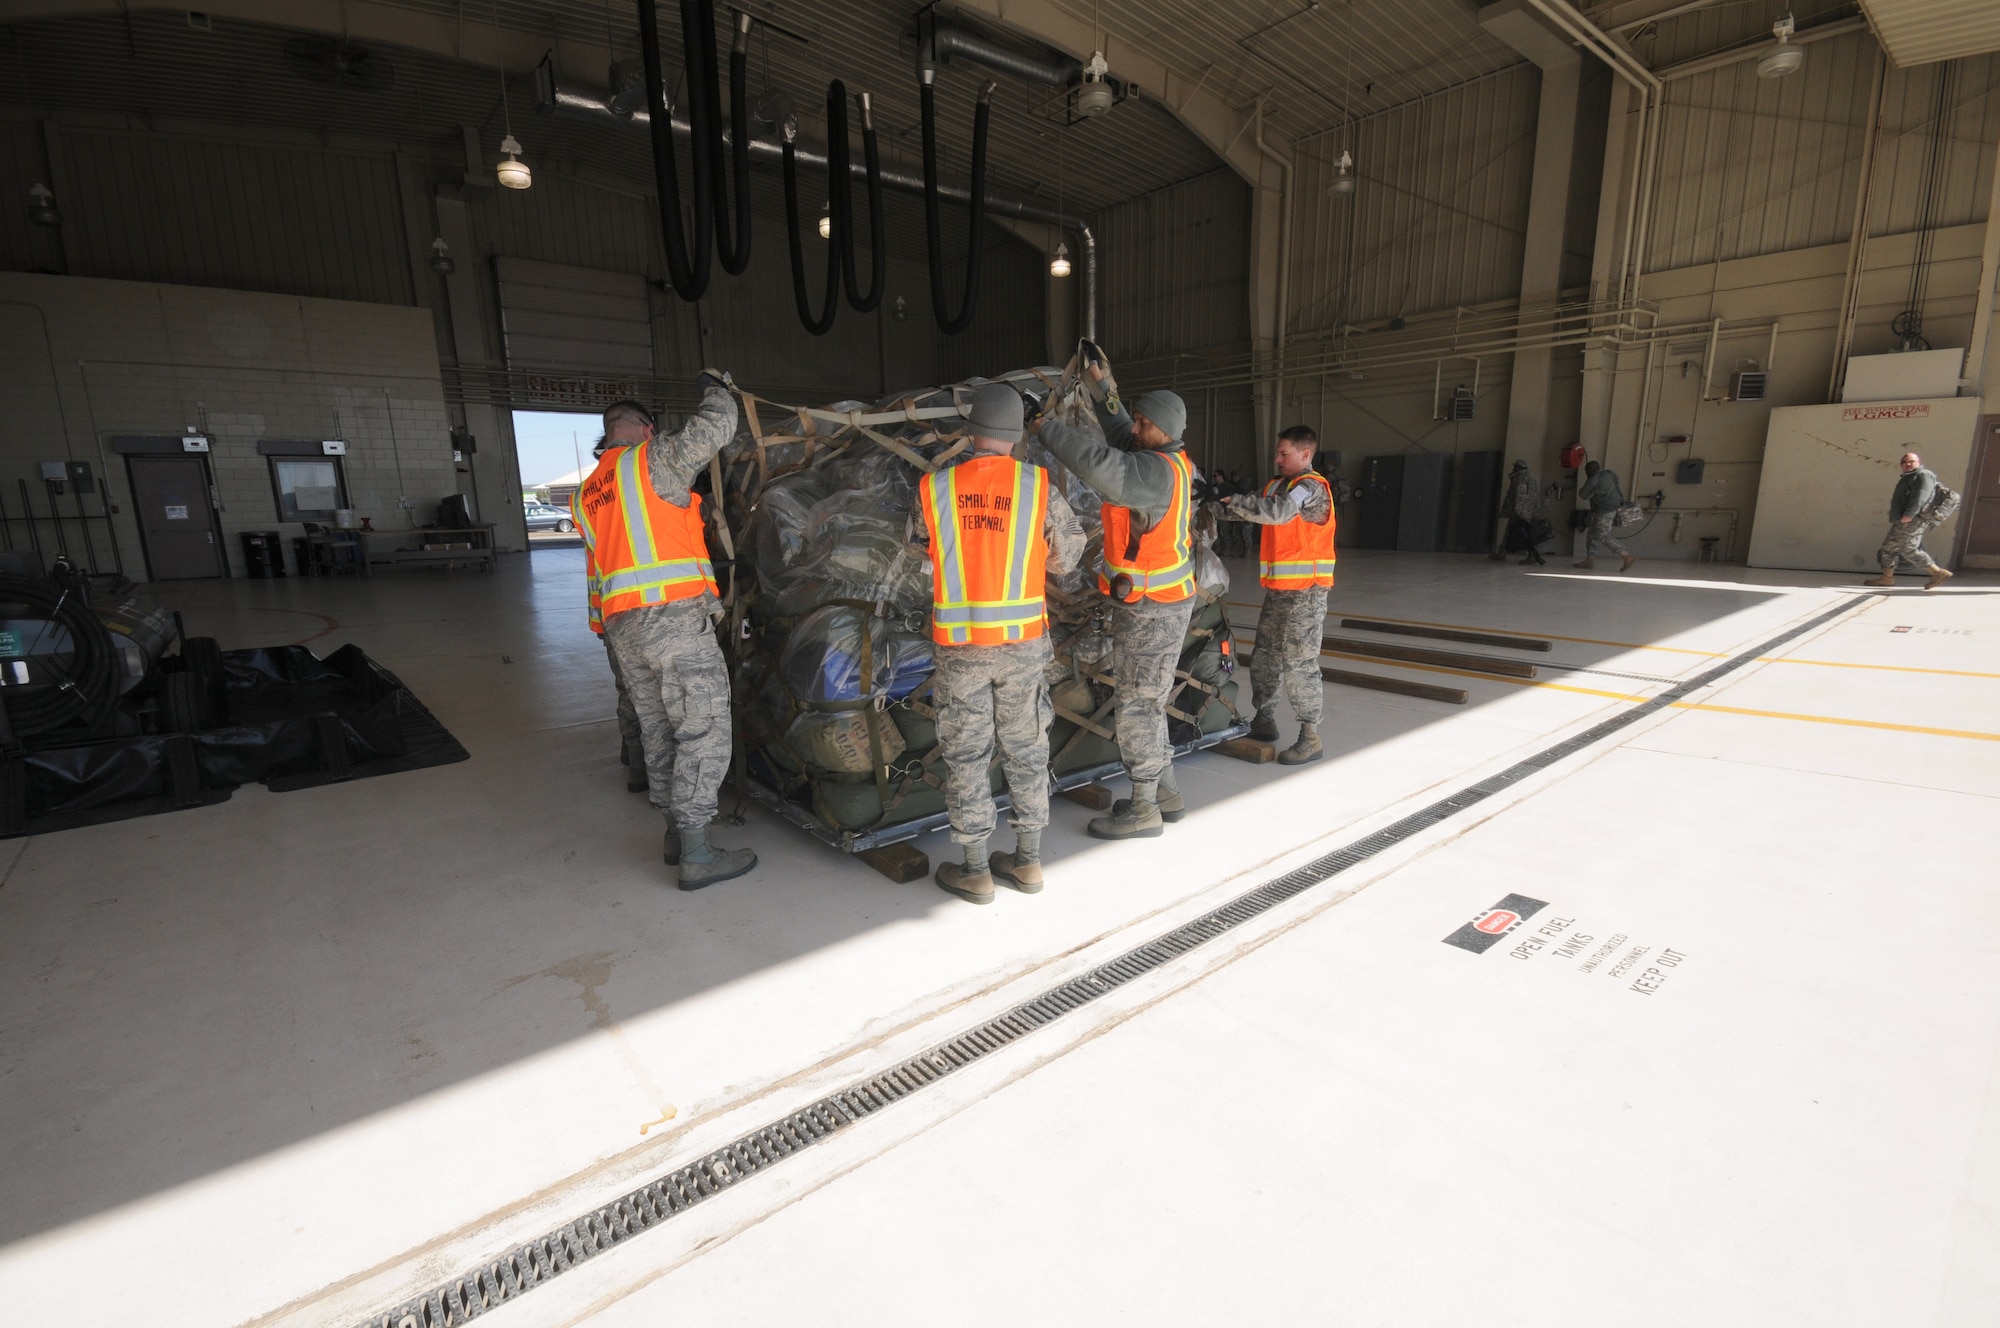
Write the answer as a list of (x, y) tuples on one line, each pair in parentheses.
[(88, 689), (844, 229), (933, 230), (836, 169), (732, 243), (687, 255)]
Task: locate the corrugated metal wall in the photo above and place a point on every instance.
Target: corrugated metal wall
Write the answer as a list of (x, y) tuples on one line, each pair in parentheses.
[(1438, 215), (1174, 282), (204, 212), (1753, 166)]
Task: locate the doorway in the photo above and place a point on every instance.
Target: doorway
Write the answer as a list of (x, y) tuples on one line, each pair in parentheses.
[(176, 517), (554, 451), (1982, 499)]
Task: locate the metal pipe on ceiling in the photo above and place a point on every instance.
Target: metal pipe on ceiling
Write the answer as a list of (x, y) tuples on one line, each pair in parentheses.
[(574, 99)]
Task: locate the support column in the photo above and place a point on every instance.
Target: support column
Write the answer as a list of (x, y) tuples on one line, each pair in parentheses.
[(496, 471), (1600, 362)]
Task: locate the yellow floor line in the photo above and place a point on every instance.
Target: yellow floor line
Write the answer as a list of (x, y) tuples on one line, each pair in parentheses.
[(1831, 719), (1676, 650), (1884, 668)]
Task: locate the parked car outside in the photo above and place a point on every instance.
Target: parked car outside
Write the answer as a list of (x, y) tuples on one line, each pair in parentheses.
[(544, 516)]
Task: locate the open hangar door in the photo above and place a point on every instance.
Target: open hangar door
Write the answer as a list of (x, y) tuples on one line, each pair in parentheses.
[(1823, 501)]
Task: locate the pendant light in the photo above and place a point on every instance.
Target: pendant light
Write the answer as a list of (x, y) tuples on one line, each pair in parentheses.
[(441, 260), (1342, 184), (42, 207), (1784, 58), (1059, 266), (513, 173), (826, 220)]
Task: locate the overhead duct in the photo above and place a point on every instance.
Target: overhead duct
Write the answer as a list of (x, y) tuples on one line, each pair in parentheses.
[(577, 100), (940, 41)]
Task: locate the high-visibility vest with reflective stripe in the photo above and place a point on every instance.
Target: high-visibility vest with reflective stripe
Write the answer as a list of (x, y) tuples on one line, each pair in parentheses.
[(988, 555), (1161, 561), (1297, 554), (643, 549)]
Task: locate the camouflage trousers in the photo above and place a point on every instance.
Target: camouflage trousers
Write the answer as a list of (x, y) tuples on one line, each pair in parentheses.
[(1146, 641), (1290, 627), (628, 718), (984, 694), (1906, 542), (679, 687), (1600, 536)]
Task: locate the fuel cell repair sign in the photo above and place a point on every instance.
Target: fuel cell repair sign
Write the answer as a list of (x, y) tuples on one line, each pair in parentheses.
[(1639, 968)]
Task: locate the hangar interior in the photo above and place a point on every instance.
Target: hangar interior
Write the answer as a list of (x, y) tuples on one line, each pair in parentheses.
[(404, 1050)]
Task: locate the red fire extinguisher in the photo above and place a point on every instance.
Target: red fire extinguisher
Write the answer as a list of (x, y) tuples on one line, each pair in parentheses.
[(1572, 457)]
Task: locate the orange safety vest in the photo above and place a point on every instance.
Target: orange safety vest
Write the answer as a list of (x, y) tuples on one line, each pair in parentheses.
[(988, 555), (1160, 561), (641, 548), (1297, 554)]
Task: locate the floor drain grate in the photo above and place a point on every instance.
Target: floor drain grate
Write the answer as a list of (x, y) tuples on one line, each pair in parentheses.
[(527, 1266)]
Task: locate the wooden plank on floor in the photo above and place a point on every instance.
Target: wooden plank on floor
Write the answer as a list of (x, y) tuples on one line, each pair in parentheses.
[(1449, 634), (901, 863), (1248, 749), (1449, 659), (1094, 796), (1400, 686)]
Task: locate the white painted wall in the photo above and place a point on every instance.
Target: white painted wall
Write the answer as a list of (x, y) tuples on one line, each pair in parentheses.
[(1829, 471)]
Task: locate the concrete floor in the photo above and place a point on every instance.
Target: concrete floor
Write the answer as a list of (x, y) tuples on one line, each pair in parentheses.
[(294, 1058)]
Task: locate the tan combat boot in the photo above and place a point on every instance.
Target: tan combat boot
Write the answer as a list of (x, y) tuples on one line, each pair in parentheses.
[(1888, 578), (1264, 727), (1137, 817), (1629, 558), (1306, 749), (1938, 577), (1023, 876), (1588, 564), (972, 887)]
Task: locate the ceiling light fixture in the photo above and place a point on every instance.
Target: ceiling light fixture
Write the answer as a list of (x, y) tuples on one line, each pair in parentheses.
[(1059, 265), (42, 210), (513, 172), (1342, 185), (902, 309), (826, 220), (1093, 95), (1784, 58), (441, 262)]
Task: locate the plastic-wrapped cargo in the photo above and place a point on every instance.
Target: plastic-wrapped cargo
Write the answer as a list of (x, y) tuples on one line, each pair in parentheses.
[(830, 615)]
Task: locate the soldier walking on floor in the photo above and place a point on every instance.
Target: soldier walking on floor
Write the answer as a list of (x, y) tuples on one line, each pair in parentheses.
[(995, 528), (643, 529), (1911, 517), (1600, 490), (1295, 566), (1147, 483)]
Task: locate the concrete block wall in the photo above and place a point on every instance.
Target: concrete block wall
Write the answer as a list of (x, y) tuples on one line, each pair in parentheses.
[(95, 359)]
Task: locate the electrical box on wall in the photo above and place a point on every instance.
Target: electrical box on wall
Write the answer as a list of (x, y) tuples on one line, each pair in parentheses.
[(463, 441), (55, 471), (1689, 471), (80, 477)]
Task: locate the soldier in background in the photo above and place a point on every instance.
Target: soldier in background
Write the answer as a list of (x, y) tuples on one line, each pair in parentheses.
[(995, 528), (1518, 512), (1600, 490), (1909, 522), (649, 549), (1147, 483), (1295, 565)]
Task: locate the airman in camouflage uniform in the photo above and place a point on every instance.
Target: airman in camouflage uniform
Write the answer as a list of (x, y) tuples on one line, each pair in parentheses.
[(1130, 470), (669, 657), (989, 693), (1291, 623), (1908, 524)]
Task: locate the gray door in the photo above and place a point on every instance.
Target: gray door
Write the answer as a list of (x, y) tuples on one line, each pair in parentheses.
[(176, 519)]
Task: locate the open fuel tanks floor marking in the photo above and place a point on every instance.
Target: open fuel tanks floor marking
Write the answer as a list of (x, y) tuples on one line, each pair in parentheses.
[(527, 1266)]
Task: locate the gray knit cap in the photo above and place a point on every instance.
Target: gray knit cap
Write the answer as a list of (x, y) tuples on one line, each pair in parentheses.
[(1166, 410), (996, 412)]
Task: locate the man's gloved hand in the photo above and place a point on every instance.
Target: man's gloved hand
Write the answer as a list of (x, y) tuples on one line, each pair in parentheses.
[(708, 378)]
